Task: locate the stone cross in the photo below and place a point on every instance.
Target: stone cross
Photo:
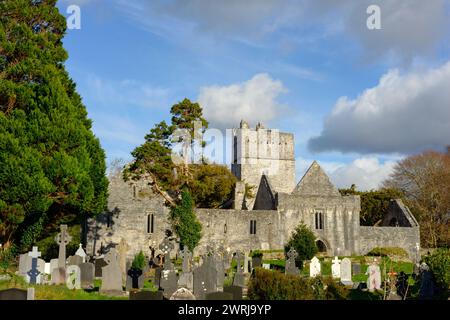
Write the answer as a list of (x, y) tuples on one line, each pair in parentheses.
[(336, 268), (186, 255), (166, 246), (290, 263), (34, 272), (239, 257), (63, 238), (122, 250)]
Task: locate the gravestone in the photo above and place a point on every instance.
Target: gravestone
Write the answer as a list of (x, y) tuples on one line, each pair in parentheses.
[(182, 294), (111, 275), (336, 268), (34, 273), (186, 278), (374, 279), (210, 274), (239, 276), (290, 262), (146, 295), (24, 264), (99, 264), (426, 290), (220, 269), (356, 269), (30, 293), (122, 251), (402, 284), (135, 279), (246, 260), (47, 268), (73, 277), (62, 239), (81, 253), (58, 276), (166, 246), (236, 291), (53, 264), (87, 275), (346, 272), (74, 260), (13, 294), (266, 266), (314, 267), (219, 296), (169, 282)]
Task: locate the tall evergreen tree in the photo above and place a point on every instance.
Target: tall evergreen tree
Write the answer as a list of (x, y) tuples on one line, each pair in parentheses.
[(52, 167)]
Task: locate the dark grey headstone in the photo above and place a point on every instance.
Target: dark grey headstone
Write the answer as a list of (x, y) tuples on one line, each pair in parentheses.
[(146, 295), (99, 264), (74, 260), (236, 291), (200, 283), (356, 268), (426, 285), (157, 280), (219, 296), (13, 294), (135, 279), (169, 282), (87, 275)]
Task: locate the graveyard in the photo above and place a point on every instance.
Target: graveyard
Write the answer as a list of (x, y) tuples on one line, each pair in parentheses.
[(217, 275)]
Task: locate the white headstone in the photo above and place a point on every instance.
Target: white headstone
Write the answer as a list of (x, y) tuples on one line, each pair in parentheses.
[(336, 268), (314, 267), (80, 252), (346, 272), (47, 269), (73, 277), (266, 265)]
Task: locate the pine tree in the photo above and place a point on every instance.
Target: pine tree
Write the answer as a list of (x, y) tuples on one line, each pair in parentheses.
[(52, 167)]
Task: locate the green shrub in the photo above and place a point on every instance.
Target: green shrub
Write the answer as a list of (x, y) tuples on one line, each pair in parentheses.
[(6, 258), (138, 261), (256, 254), (439, 263), (304, 242), (273, 285), (388, 252)]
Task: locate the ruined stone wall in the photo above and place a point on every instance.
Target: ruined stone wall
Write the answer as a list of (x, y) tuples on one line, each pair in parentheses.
[(231, 229), (340, 231), (129, 206), (403, 237)]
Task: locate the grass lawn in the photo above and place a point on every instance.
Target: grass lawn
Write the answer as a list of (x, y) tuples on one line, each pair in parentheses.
[(61, 292)]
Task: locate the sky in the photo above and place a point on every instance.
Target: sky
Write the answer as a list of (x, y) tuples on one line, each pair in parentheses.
[(357, 99)]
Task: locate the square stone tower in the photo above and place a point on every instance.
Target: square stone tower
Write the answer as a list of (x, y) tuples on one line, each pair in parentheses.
[(261, 151)]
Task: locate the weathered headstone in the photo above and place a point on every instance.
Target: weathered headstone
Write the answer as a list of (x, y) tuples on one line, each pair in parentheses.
[(239, 276), (73, 277), (122, 251), (99, 264), (336, 268), (290, 267), (236, 291), (346, 272), (53, 265), (74, 260), (314, 267), (166, 246), (87, 275), (220, 269), (24, 264), (186, 278), (182, 294), (426, 290), (146, 295), (246, 260), (374, 279), (58, 276), (111, 275), (157, 280), (169, 282), (356, 268), (13, 294), (63, 238), (266, 266), (33, 273)]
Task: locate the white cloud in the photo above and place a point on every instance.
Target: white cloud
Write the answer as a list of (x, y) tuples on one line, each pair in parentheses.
[(252, 100), (404, 113), (366, 173)]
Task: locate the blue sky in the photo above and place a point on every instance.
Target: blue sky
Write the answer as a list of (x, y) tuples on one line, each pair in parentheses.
[(356, 99)]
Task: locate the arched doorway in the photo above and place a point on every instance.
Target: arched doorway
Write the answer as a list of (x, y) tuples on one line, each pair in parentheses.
[(321, 246)]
